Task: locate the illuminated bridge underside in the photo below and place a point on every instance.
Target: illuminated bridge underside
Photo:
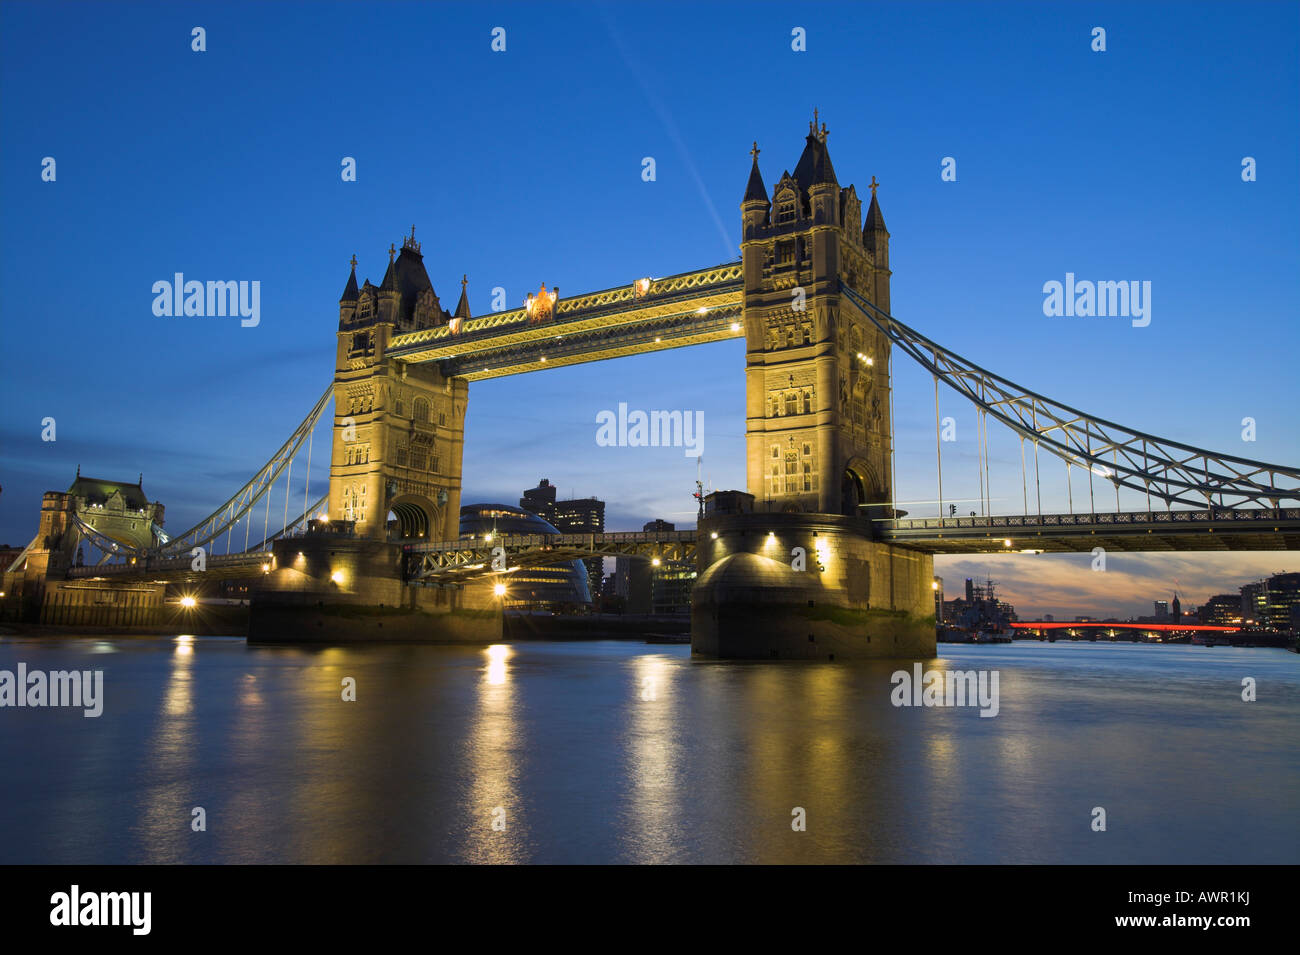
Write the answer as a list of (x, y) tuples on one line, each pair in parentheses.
[(687, 309), (467, 559), (1222, 529)]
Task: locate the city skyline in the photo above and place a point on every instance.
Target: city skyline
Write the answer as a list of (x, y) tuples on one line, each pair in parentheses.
[(196, 404)]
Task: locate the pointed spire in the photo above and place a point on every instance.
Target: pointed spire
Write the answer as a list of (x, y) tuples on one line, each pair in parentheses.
[(462, 307), (350, 293), (875, 221), (390, 280), (755, 191)]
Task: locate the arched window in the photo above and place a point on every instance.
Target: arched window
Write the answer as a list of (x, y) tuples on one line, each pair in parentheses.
[(420, 411), (791, 402), (791, 472)]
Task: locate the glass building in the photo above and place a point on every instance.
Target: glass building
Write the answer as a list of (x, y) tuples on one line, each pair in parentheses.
[(557, 587)]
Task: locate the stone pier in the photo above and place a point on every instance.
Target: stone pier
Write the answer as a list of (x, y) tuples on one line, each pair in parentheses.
[(808, 587), (330, 586)]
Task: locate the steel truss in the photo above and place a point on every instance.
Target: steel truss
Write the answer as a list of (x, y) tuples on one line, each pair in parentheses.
[(472, 557), (1175, 473)]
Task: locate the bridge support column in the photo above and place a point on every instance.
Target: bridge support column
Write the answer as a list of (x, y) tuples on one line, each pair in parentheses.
[(809, 587)]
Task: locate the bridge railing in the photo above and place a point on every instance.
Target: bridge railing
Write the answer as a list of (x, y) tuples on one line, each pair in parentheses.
[(1100, 517), (144, 566), (523, 541)]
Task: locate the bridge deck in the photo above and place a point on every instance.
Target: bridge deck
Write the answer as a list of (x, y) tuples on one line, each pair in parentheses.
[(686, 309), (1221, 529)]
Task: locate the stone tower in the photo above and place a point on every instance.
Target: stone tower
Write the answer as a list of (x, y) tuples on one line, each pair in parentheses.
[(818, 428), (399, 428)]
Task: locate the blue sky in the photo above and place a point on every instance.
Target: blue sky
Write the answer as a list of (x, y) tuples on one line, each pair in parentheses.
[(525, 166)]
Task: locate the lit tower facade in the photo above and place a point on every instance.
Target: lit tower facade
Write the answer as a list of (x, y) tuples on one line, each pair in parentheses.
[(818, 429), (399, 428)]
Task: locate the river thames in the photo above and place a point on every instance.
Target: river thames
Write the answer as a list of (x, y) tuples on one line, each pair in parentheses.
[(623, 752)]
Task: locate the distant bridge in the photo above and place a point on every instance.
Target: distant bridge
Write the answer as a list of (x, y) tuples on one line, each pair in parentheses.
[(1111, 625)]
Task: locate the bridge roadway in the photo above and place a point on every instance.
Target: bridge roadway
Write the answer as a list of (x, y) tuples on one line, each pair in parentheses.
[(1219, 529), (690, 308), (472, 557)]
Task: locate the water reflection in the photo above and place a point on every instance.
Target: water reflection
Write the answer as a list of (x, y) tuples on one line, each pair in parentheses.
[(494, 827), (169, 764), (653, 816), (619, 752)]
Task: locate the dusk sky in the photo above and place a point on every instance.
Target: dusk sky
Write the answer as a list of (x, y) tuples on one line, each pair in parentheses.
[(525, 166)]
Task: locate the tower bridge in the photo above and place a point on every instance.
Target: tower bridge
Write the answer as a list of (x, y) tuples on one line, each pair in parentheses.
[(810, 296)]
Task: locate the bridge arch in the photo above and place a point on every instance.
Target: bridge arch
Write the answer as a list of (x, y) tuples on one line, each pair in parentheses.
[(860, 486), (412, 516)]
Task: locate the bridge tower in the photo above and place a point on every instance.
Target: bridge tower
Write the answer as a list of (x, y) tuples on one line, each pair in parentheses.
[(399, 428), (794, 569), (818, 429)]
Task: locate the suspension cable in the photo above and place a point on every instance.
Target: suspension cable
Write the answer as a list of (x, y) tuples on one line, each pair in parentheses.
[(306, 491), (1024, 480), (938, 447), (288, 484)]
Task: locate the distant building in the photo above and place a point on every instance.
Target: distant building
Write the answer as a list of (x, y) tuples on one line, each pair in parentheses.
[(1281, 594), (649, 589), (1252, 604), (580, 516), (1222, 610), (540, 500), (1162, 610), (1048, 618)]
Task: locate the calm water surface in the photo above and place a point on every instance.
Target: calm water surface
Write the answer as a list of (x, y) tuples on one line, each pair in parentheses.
[(626, 752)]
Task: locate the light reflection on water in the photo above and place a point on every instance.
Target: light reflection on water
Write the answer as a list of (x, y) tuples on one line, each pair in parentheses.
[(623, 752)]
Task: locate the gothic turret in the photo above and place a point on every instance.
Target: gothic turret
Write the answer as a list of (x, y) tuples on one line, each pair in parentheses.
[(351, 295), (755, 207), (876, 239)]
